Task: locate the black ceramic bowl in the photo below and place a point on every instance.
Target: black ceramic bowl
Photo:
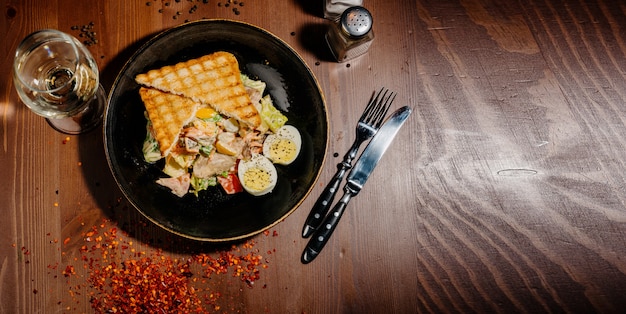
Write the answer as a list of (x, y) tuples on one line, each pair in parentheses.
[(214, 215)]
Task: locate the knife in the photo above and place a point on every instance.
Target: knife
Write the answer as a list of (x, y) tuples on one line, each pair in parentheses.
[(356, 179)]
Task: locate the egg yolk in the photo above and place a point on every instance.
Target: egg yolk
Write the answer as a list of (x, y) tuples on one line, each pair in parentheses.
[(283, 150), (256, 179)]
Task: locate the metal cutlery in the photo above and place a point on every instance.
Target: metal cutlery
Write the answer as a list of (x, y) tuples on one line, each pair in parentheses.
[(356, 179), (368, 125)]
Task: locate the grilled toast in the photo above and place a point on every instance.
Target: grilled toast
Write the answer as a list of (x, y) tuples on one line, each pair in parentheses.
[(212, 79), (168, 114)]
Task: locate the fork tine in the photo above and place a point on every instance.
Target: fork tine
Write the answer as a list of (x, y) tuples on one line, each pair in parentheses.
[(377, 115), (383, 110), (371, 105)]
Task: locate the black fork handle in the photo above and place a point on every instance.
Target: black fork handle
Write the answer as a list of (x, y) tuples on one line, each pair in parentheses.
[(319, 210), (321, 236)]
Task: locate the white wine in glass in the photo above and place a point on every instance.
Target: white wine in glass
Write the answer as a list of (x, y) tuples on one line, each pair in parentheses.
[(57, 78)]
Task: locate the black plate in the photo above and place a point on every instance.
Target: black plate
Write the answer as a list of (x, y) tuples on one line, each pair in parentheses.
[(214, 215)]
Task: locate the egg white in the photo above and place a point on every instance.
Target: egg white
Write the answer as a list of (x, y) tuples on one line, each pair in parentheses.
[(286, 132), (258, 175)]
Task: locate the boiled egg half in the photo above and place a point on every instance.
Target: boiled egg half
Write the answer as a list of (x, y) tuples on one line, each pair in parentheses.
[(258, 175), (283, 146)]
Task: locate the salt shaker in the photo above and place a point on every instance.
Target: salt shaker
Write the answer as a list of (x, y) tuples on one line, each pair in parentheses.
[(334, 8), (352, 35)]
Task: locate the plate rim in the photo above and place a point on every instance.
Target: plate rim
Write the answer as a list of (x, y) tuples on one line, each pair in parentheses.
[(142, 49)]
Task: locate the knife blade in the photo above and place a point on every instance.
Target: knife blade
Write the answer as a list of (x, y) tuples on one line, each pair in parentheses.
[(356, 179)]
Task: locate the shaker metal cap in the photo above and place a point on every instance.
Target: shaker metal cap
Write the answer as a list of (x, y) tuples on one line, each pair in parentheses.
[(356, 21)]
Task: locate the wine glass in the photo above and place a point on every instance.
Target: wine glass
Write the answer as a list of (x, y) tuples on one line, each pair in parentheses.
[(57, 78)]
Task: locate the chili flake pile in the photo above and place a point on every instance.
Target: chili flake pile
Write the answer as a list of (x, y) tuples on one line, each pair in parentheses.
[(123, 279)]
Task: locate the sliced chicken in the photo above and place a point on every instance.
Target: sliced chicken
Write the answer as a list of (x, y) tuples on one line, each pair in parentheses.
[(179, 185), (205, 167)]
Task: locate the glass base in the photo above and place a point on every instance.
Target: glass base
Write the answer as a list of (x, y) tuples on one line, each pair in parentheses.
[(84, 121)]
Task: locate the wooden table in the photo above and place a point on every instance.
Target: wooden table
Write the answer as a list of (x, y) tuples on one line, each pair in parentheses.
[(504, 192)]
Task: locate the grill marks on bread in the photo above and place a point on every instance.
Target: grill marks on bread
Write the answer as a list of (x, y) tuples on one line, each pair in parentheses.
[(168, 114), (212, 79)]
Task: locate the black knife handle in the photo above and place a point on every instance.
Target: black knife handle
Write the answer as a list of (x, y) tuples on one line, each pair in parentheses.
[(321, 236), (319, 210)]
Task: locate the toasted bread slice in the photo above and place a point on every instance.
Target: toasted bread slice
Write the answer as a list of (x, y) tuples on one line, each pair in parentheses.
[(213, 79), (168, 114)]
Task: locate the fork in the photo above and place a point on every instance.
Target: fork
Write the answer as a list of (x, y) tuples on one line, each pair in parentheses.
[(368, 125)]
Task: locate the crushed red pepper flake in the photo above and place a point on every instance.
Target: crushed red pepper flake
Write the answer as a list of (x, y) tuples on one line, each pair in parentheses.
[(119, 278), (68, 271)]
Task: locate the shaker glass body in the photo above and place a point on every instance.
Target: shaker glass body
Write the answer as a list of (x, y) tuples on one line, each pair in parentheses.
[(352, 35)]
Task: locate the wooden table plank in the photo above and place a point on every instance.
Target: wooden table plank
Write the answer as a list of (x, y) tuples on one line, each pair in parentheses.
[(504, 192)]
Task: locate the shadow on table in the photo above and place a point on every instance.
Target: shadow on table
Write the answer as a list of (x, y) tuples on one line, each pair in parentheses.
[(312, 7), (312, 39)]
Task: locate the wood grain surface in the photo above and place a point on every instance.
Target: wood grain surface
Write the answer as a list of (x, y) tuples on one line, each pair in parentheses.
[(503, 193)]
